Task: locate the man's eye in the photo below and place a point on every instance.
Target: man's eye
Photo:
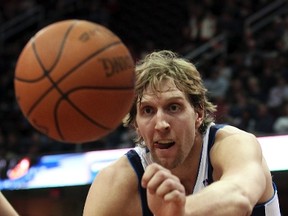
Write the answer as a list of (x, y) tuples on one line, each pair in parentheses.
[(147, 110), (174, 107)]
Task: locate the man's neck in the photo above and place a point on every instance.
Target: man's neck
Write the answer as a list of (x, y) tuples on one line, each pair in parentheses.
[(187, 172)]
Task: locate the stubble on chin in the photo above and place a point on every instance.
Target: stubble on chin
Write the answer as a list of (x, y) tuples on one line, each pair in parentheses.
[(168, 163)]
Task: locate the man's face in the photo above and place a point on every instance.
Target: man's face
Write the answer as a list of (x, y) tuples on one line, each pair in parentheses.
[(167, 123)]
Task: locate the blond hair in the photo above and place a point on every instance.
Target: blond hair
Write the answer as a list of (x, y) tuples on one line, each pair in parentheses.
[(163, 65)]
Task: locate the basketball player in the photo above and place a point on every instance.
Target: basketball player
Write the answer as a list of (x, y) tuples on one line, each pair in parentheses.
[(183, 164), (5, 207)]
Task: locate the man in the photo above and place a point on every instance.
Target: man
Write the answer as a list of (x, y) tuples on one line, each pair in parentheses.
[(184, 164), (5, 207)]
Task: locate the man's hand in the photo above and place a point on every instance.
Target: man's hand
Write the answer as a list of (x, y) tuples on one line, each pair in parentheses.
[(165, 193)]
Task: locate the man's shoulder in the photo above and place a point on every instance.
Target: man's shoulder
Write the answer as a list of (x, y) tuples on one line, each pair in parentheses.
[(115, 185), (229, 130), (120, 170), (116, 178)]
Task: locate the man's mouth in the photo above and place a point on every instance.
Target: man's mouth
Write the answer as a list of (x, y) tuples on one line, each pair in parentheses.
[(163, 144)]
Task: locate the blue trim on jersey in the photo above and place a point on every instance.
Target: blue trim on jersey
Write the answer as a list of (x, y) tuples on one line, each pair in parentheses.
[(135, 161), (259, 209), (211, 139)]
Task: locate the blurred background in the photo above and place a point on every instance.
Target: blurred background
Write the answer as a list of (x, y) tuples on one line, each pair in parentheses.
[(239, 46)]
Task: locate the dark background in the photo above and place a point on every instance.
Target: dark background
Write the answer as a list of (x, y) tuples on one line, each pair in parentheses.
[(247, 49)]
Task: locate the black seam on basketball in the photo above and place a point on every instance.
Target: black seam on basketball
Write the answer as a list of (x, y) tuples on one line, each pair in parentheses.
[(68, 73), (59, 54), (55, 84), (73, 68), (79, 111), (46, 73), (87, 59)]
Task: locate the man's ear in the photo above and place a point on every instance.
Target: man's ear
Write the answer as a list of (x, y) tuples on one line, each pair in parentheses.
[(199, 117)]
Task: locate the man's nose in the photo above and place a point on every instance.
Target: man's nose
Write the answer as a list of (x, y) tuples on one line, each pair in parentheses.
[(161, 122)]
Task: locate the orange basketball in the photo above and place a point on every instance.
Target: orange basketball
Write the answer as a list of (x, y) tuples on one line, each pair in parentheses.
[(74, 81)]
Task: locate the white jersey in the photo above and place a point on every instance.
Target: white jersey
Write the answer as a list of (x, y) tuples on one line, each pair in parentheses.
[(204, 177)]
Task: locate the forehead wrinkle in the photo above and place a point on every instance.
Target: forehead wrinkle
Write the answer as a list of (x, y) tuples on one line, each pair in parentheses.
[(155, 90), (170, 94)]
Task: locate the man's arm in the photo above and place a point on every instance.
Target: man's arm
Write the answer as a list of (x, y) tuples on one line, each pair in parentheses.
[(6, 208), (114, 191), (242, 177)]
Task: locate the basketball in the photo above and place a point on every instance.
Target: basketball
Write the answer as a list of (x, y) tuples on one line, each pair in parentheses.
[(74, 81)]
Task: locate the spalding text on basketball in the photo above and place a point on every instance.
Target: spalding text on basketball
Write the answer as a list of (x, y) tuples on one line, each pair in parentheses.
[(116, 65)]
